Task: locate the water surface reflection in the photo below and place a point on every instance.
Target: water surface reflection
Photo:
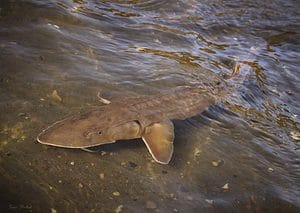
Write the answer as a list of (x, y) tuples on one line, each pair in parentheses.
[(242, 154)]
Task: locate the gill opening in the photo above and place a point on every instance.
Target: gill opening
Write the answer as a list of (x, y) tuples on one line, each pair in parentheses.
[(141, 129)]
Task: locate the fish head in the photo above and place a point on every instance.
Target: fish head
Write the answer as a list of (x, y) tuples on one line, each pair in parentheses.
[(89, 129)]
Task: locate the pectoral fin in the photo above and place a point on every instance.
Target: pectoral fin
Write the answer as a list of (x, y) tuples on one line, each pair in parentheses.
[(158, 138)]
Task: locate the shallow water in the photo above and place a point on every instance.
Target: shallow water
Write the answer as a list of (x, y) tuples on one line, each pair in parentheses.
[(241, 154)]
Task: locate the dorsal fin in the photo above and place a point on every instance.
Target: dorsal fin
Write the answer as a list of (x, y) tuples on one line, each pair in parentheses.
[(158, 138)]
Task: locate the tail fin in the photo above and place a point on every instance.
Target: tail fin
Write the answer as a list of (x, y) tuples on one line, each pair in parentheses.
[(242, 62)]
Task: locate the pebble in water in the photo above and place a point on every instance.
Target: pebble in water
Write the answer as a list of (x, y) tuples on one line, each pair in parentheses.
[(101, 176), (226, 187), (217, 163), (119, 209), (55, 96), (116, 193), (209, 201)]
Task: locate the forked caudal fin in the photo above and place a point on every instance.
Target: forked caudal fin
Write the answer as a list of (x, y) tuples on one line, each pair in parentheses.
[(158, 138)]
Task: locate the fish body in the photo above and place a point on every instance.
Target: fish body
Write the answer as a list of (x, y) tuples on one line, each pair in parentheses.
[(146, 117)]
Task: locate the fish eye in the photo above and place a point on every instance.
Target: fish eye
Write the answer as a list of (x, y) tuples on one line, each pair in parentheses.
[(99, 132)]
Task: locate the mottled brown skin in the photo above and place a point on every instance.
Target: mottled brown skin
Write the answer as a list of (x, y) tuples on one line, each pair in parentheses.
[(146, 117)]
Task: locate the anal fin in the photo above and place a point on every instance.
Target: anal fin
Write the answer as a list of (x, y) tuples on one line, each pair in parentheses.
[(158, 138)]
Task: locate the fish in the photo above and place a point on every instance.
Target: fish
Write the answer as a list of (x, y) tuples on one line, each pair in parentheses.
[(146, 116)]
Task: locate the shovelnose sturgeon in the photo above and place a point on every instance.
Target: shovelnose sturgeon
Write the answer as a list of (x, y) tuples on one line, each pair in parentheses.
[(146, 117)]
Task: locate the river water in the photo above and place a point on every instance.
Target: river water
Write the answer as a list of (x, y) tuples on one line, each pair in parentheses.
[(241, 154)]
